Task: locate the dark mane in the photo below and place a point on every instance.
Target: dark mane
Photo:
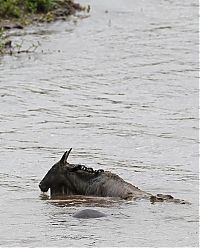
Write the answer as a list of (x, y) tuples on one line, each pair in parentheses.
[(81, 167), (76, 167)]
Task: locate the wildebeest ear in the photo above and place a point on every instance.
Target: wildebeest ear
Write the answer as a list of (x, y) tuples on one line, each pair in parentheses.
[(65, 156)]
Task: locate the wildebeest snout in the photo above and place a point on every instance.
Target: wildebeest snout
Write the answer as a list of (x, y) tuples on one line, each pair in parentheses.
[(43, 187)]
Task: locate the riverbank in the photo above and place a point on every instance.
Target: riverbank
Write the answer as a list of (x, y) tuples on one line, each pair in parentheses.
[(16, 14)]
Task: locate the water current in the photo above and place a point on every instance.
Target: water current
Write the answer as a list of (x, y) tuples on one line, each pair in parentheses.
[(121, 88)]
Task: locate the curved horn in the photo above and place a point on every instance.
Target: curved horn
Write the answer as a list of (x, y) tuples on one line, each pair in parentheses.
[(65, 156)]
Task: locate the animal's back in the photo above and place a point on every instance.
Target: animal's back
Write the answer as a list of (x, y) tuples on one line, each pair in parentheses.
[(109, 184), (89, 213)]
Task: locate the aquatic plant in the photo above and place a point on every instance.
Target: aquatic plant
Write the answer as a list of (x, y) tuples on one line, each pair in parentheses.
[(7, 46)]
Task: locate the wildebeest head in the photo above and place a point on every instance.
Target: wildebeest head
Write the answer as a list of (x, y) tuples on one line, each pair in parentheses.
[(67, 179), (55, 178)]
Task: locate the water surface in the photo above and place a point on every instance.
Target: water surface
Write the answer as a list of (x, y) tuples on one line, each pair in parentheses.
[(121, 88)]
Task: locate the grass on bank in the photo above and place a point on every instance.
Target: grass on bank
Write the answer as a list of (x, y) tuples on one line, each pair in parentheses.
[(17, 8)]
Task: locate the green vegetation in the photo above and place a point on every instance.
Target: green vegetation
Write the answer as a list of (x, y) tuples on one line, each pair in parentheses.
[(17, 8), (38, 5), (46, 10)]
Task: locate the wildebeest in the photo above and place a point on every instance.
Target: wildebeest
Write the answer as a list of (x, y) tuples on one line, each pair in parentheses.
[(65, 179)]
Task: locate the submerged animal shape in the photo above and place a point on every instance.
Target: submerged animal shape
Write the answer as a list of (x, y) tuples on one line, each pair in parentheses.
[(65, 179), (88, 214)]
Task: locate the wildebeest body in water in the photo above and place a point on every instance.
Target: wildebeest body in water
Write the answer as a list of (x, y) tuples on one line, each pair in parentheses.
[(65, 179)]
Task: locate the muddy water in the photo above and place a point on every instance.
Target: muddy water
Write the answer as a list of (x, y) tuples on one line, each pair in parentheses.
[(120, 87)]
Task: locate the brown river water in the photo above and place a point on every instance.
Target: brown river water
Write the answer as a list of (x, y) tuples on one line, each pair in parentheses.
[(121, 88)]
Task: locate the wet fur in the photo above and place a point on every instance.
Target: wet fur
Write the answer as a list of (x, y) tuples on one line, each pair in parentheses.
[(70, 179)]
